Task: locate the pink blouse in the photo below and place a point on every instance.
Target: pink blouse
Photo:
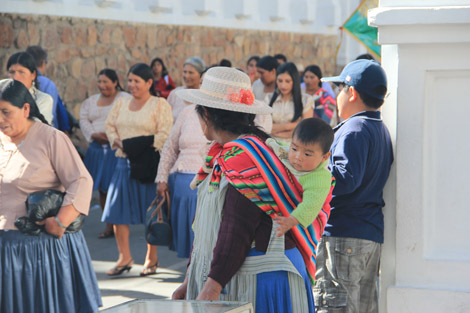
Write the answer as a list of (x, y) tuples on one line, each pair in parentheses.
[(185, 148), (46, 159)]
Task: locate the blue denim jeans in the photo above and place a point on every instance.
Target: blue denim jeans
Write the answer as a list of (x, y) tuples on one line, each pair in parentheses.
[(346, 277)]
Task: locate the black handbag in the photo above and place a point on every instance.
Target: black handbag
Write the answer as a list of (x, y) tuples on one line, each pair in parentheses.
[(157, 222), (41, 205)]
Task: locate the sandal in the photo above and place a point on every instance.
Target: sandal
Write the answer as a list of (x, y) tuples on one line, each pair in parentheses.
[(151, 270), (118, 270), (106, 234)]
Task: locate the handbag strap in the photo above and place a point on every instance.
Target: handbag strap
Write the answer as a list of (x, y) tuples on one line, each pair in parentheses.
[(159, 202)]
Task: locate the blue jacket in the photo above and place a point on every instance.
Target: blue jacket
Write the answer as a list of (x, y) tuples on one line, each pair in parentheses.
[(361, 157)]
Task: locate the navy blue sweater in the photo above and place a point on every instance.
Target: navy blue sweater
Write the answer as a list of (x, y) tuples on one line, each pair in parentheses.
[(361, 157)]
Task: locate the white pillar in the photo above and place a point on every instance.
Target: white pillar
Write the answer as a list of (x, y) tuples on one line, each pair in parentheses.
[(426, 257)]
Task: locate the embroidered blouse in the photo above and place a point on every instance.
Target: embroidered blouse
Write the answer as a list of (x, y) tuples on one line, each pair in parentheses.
[(154, 118), (184, 149), (46, 159), (93, 117)]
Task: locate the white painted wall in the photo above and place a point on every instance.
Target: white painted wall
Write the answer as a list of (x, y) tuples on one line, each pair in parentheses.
[(426, 255), (301, 16)]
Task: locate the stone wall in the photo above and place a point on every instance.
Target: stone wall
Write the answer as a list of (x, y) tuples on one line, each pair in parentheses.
[(79, 48)]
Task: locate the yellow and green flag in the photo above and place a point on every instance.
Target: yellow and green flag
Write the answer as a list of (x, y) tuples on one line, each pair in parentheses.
[(356, 25)]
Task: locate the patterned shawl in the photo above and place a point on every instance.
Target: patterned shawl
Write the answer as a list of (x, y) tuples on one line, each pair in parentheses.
[(255, 171)]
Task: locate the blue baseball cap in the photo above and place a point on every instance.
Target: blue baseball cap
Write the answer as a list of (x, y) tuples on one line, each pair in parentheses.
[(365, 76)]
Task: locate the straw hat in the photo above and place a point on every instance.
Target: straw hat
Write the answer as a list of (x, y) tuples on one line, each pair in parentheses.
[(227, 89)]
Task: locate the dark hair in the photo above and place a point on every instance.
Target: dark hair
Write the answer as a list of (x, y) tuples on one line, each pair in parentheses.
[(253, 57), (26, 60), (280, 56), (268, 63), (111, 74), (164, 70), (225, 62), (291, 69), (315, 69), (365, 56), (38, 53), (145, 72), (17, 94), (373, 102), (234, 122), (315, 130)]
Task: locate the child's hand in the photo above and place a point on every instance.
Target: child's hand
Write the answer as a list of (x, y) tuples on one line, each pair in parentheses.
[(285, 223)]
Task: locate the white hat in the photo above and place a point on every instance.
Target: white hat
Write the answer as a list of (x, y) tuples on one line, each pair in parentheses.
[(227, 89)]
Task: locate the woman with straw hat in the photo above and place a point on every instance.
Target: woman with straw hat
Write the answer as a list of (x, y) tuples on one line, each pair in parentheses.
[(242, 187)]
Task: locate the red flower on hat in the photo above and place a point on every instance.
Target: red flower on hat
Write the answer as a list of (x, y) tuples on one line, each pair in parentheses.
[(244, 96), (247, 96), (235, 97)]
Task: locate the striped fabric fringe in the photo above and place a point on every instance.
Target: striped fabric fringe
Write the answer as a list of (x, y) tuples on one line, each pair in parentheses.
[(251, 167)]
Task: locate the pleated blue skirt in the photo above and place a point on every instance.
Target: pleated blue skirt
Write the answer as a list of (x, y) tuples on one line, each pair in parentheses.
[(100, 161), (272, 288), (43, 274), (183, 208), (128, 199)]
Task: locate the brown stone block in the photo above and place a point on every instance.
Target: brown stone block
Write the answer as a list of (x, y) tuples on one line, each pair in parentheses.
[(239, 40), (229, 34), (6, 34), (88, 69), (141, 39), (22, 41), (228, 50), (66, 35), (80, 36), (170, 39), (105, 35), (33, 33), (213, 59), (100, 64), (238, 53), (92, 86), (87, 52), (116, 36), (246, 46), (220, 41), (66, 54), (101, 50), (221, 55), (208, 38), (122, 63), (92, 35), (76, 67), (179, 50), (112, 62), (72, 92), (152, 37), (180, 35), (136, 54), (129, 34), (162, 35)]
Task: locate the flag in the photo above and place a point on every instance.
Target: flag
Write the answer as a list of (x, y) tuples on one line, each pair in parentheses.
[(356, 25)]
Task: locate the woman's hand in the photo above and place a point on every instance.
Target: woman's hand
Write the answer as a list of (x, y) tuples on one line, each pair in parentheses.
[(162, 189), (100, 138), (118, 143), (210, 291), (52, 227), (180, 292), (285, 223)]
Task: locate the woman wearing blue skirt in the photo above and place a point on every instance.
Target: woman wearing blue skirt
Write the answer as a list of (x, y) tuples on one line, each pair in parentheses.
[(100, 160), (51, 272), (136, 127), (236, 254), (181, 158)]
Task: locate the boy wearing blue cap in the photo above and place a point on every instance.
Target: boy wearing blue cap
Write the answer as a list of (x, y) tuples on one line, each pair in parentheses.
[(361, 156)]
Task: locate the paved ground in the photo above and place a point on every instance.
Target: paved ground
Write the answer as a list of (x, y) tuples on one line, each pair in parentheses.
[(128, 286)]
